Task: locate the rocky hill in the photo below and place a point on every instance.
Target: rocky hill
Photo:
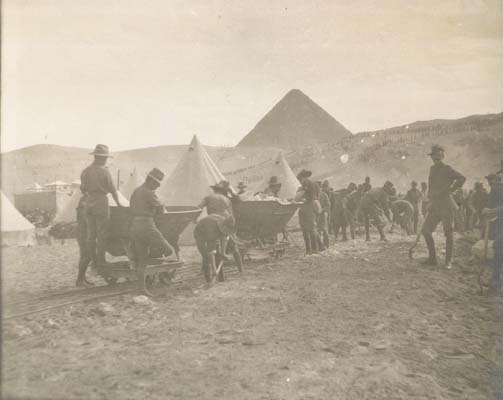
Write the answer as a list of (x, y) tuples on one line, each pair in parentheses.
[(474, 146), (295, 121)]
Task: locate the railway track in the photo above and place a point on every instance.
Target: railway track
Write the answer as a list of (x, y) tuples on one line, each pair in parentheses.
[(187, 274)]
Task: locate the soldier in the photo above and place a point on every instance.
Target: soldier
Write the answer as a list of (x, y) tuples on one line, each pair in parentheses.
[(84, 256), (403, 214), (144, 206), (324, 216), (479, 201), (424, 198), (495, 209), (468, 207), (350, 204), (374, 203), (340, 217), (219, 206), (97, 182), (241, 188), (366, 185), (442, 181), (414, 197), (307, 212), (273, 187)]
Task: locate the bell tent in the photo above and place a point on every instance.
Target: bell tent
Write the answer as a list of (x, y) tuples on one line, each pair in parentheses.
[(190, 182), (133, 181), (68, 213), (287, 178), (16, 229)]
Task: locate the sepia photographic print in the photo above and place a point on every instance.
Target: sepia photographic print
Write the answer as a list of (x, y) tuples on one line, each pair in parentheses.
[(230, 199)]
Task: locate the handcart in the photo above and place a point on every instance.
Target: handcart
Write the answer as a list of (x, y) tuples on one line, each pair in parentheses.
[(171, 224), (260, 222)]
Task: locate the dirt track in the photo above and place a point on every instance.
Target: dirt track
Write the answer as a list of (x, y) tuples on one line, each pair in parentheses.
[(360, 322)]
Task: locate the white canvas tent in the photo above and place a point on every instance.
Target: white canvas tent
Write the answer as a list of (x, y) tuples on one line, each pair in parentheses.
[(190, 182), (287, 178), (16, 230), (68, 212), (191, 179), (133, 181)]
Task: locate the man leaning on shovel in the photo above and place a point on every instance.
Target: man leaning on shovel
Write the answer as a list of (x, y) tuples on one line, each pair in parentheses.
[(442, 182)]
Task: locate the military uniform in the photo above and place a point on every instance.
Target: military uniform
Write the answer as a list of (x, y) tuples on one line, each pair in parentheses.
[(414, 197), (442, 181), (219, 208), (338, 214), (144, 205), (373, 204), (308, 215), (403, 214), (350, 204), (84, 256), (323, 218), (96, 182)]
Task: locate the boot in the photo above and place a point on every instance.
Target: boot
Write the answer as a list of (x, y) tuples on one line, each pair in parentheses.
[(381, 234), (81, 277), (432, 259)]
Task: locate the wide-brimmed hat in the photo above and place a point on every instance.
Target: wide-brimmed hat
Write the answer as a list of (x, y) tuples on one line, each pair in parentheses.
[(222, 185), (101, 150), (436, 148), (494, 177), (241, 185), (304, 174), (273, 181), (156, 174), (325, 184), (388, 184)]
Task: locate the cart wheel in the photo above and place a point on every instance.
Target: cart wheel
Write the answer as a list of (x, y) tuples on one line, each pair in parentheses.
[(111, 280), (238, 260), (166, 278), (149, 281), (221, 275)]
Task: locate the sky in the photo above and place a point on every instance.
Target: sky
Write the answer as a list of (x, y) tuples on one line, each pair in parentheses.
[(143, 73)]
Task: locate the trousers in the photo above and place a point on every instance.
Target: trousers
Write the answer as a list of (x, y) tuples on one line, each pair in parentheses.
[(97, 215)]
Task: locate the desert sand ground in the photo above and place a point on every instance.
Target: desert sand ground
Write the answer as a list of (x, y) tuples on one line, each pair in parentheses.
[(360, 322)]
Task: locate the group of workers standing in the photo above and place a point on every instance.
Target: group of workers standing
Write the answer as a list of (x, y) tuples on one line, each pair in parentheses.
[(326, 211)]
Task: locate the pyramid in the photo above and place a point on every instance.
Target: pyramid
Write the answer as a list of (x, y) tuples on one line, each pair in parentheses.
[(68, 212), (288, 180), (133, 181), (190, 181), (294, 121), (16, 230)]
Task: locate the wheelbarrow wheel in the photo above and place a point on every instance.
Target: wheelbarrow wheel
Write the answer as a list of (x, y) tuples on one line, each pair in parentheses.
[(166, 278), (238, 260), (111, 280), (149, 281)]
